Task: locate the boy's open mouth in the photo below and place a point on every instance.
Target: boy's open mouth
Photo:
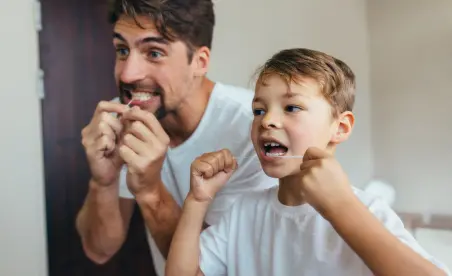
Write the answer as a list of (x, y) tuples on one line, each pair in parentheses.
[(273, 148)]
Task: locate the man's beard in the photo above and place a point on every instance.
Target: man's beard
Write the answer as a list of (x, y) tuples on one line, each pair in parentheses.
[(124, 91)]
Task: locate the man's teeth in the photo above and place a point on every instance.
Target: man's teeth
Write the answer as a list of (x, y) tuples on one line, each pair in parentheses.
[(274, 154), (141, 96), (272, 144)]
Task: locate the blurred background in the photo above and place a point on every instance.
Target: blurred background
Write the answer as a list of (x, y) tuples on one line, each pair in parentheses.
[(401, 52)]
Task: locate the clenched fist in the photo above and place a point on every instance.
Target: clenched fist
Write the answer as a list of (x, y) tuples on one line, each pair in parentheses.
[(323, 182), (210, 172), (100, 140)]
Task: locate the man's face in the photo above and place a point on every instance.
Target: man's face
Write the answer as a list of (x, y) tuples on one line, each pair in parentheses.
[(150, 71)]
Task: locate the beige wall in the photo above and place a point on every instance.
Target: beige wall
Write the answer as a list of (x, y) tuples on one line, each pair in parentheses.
[(411, 54), (22, 224), (249, 32)]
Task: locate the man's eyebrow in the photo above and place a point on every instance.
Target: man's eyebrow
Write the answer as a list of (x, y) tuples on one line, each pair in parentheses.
[(118, 36), (150, 39)]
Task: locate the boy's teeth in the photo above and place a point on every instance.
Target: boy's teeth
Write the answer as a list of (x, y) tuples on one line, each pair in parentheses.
[(272, 144)]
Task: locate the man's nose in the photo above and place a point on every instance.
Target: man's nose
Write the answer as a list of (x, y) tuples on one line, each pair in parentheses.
[(134, 69), (272, 120)]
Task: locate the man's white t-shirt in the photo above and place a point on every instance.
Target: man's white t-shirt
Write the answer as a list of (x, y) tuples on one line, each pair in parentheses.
[(226, 123), (262, 237)]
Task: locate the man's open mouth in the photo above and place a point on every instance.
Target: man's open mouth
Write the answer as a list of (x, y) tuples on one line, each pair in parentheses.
[(139, 96), (273, 148)]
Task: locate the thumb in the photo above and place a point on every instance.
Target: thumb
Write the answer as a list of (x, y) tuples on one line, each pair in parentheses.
[(314, 153)]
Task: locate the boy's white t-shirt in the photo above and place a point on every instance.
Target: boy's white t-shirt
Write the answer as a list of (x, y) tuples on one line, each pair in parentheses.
[(226, 123), (262, 237)]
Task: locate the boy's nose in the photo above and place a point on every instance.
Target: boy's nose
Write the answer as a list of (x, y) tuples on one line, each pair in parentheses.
[(272, 120)]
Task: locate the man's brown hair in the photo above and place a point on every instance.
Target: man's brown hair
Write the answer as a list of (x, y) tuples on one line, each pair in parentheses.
[(190, 21), (336, 79)]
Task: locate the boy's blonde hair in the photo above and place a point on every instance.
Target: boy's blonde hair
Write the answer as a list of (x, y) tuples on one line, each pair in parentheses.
[(336, 79)]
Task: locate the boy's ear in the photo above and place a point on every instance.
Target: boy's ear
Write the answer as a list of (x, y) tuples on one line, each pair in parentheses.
[(201, 59), (344, 129)]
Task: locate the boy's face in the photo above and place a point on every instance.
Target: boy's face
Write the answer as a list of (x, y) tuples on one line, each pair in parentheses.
[(296, 118), (153, 72)]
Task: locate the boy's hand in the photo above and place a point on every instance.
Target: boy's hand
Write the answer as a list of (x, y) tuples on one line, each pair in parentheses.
[(209, 173), (324, 184)]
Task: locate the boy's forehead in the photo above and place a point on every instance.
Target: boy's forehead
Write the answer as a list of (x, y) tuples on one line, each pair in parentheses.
[(277, 86)]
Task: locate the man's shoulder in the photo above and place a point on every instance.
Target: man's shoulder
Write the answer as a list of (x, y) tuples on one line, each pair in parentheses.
[(234, 96)]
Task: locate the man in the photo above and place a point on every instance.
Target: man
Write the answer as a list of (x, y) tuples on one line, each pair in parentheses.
[(168, 114)]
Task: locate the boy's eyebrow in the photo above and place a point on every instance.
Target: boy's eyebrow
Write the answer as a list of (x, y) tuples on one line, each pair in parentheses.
[(289, 94), (149, 39)]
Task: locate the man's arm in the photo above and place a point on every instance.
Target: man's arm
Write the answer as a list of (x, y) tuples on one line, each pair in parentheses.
[(161, 214), (183, 258), (381, 251), (103, 222)]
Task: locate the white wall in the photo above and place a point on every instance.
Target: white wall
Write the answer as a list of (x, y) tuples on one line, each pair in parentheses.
[(411, 54), (249, 32), (22, 226)]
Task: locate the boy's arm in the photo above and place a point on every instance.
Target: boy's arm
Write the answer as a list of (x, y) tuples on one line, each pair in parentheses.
[(209, 173), (381, 251), (183, 257)]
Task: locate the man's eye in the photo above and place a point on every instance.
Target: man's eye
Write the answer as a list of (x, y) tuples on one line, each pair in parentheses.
[(292, 108), (155, 54), (258, 112), (122, 52)]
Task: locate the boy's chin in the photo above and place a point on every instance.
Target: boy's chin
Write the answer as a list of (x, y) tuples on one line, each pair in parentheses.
[(279, 172)]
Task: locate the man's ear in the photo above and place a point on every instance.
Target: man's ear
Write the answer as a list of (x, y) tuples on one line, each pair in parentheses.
[(201, 59), (345, 124)]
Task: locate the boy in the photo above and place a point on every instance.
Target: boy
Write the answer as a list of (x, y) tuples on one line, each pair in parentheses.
[(314, 222)]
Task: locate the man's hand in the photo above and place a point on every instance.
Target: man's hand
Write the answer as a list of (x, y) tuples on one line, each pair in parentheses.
[(143, 149), (324, 184), (209, 173), (99, 138)]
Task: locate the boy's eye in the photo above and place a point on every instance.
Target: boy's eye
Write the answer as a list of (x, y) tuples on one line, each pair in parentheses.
[(292, 108), (258, 112)]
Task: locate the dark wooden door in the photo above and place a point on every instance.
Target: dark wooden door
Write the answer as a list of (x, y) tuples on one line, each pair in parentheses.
[(77, 57)]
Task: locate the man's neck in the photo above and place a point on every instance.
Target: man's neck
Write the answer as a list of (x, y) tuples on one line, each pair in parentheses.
[(180, 125)]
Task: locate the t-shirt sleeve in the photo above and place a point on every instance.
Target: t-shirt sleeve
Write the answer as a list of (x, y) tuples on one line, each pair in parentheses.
[(214, 247), (395, 225)]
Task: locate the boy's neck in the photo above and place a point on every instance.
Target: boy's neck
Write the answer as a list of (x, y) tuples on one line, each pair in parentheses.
[(289, 193), (180, 125)]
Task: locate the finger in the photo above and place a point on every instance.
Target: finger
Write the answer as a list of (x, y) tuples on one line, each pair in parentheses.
[(104, 129), (314, 153), (139, 130), (309, 164), (149, 120), (114, 123), (205, 169), (229, 161), (105, 144), (135, 144), (106, 106), (128, 155)]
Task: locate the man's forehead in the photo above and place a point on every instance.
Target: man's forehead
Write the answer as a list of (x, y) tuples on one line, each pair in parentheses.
[(127, 26)]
